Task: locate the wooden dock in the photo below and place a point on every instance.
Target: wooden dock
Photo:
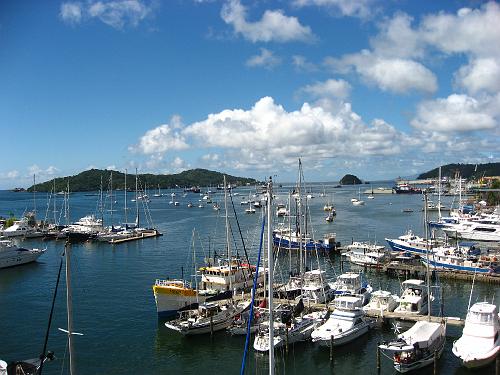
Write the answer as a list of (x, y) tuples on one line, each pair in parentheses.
[(381, 317), (454, 321), (141, 236)]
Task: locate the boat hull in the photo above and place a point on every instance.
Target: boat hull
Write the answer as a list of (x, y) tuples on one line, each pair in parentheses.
[(343, 339), (20, 257)]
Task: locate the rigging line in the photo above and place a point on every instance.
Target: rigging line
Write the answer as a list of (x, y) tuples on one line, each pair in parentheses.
[(42, 356), (250, 317), (241, 235)]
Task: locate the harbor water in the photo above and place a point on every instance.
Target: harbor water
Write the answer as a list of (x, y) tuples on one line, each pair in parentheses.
[(113, 302)]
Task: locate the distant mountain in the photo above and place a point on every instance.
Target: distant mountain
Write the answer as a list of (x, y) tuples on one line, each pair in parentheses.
[(350, 179), (466, 171), (91, 180)]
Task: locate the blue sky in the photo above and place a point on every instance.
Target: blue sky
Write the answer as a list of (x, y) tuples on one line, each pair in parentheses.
[(374, 88)]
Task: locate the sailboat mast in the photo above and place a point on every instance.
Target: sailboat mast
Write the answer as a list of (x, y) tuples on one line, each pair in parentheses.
[(195, 269), (136, 202), (270, 275), (125, 195), (439, 195), (54, 195), (111, 197), (427, 256), (34, 194), (101, 204), (69, 307), (301, 269), (228, 243)]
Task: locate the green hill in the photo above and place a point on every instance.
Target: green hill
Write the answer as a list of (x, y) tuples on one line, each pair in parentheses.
[(350, 179), (468, 171), (91, 180)]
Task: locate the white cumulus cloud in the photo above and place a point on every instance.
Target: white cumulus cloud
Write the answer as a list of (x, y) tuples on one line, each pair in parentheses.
[(265, 59), (456, 113), (71, 12), (330, 88), (116, 13), (353, 8), (273, 26), (161, 139), (396, 75), (480, 75)]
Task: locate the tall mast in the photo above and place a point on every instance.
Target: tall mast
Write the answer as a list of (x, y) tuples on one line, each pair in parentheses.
[(228, 243), (270, 265), (427, 256), (195, 269), (301, 267), (69, 307), (111, 197), (54, 195), (67, 203), (34, 195), (100, 204), (136, 202), (125, 195), (439, 194)]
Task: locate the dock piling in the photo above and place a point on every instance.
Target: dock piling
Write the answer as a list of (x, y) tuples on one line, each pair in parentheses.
[(435, 363), (331, 350), (378, 358)]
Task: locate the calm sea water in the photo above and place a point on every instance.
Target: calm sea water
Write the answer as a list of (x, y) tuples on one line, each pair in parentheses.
[(114, 305)]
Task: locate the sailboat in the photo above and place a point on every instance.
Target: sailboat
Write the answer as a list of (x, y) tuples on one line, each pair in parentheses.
[(357, 201), (423, 342), (34, 366), (210, 316)]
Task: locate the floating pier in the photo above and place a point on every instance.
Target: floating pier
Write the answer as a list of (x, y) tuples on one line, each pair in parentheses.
[(142, 235)]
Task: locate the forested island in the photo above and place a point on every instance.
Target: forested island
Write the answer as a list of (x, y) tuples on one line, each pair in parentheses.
[(350, 179), (468, 171), (90, 180)]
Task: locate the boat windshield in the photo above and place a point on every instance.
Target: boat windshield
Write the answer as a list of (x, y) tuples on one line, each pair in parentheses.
[(480, 317)]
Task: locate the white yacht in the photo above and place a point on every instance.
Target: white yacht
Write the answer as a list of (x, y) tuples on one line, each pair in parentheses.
[(217, 282), (315, 288), (209, 317), (413, 300), (480, 342), (382, 300), (409, 242), (416, 347), (474, 231), (12, 255), (367, 255), (346, 323), (295, 329), (352, 284), (19, 228)]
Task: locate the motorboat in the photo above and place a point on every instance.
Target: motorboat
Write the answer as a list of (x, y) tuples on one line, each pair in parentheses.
[(289, 329), (315, 288), (413, 300), (345, 324), (367, 255), (84, 229), (480, 341), (409, 242), (463, 257), (474, 231), (208, 317), (417, 347), (18, 229), (12, 255), (352, 284), (383, 301), (284, 238)]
